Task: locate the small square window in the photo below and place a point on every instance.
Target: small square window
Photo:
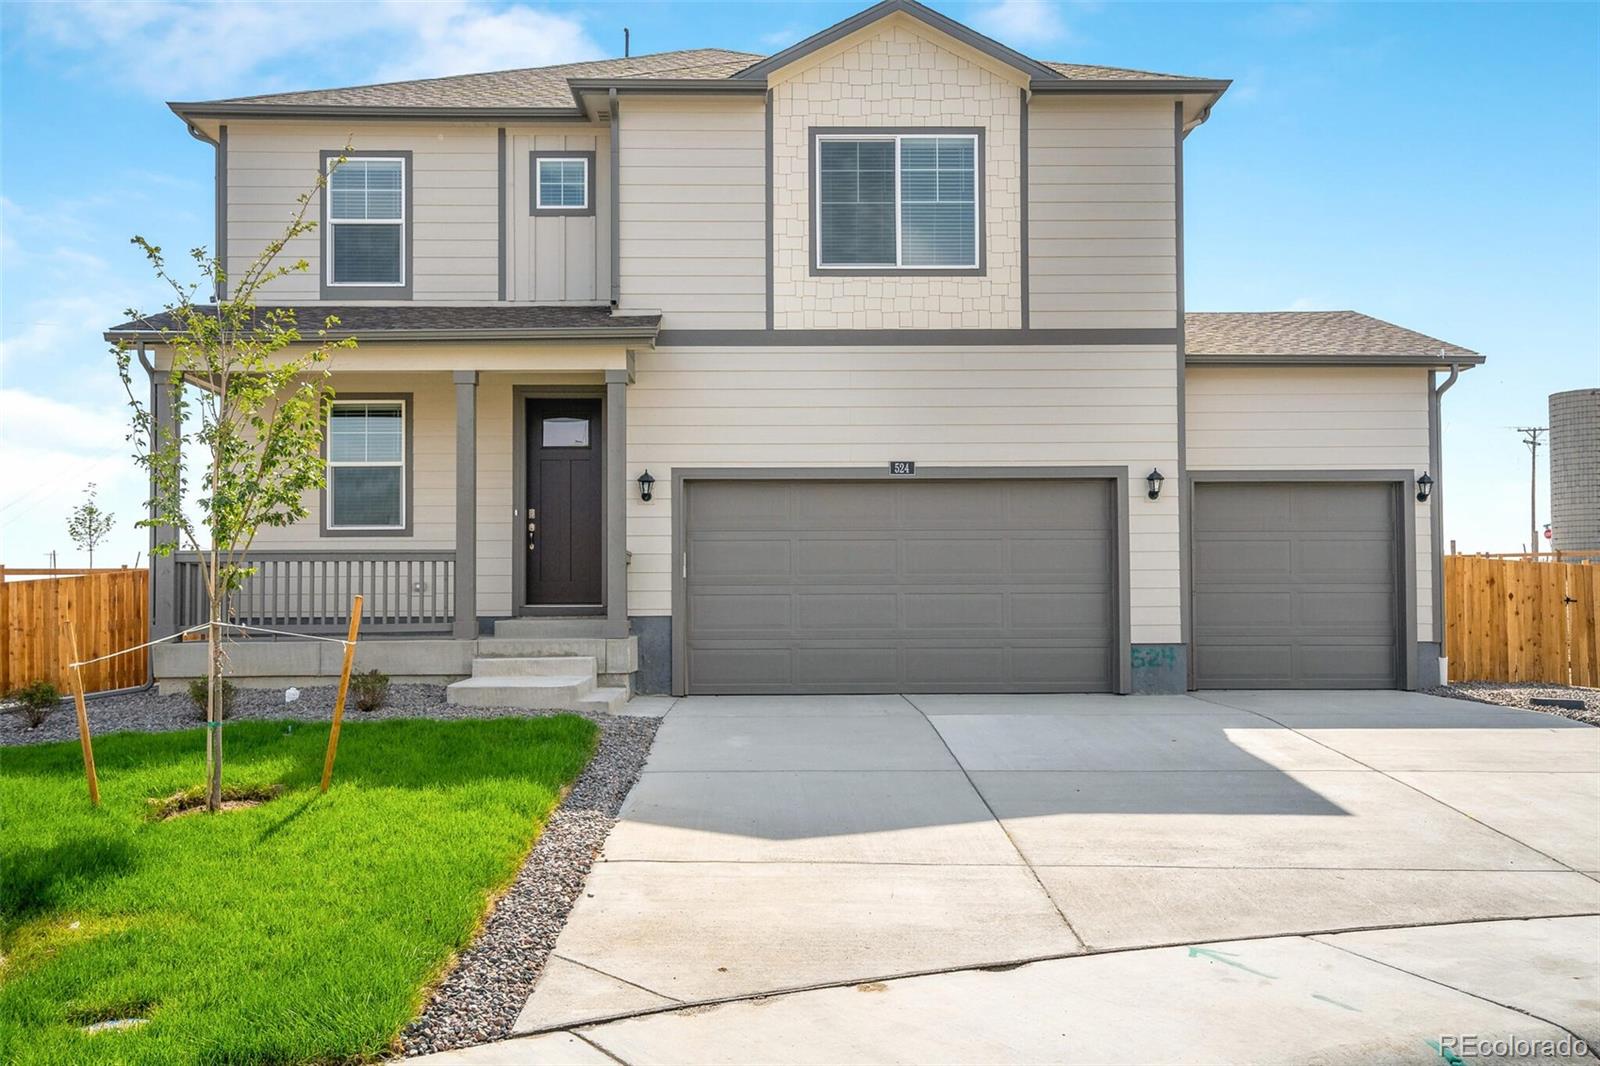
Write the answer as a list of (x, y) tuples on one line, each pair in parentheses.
[(563, 184)]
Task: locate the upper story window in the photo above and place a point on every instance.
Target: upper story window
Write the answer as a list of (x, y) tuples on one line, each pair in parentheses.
[(367, 474), (563, 183), (367, 222), (898, 202)]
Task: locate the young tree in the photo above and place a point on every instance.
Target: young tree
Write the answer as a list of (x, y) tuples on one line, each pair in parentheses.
[(87, 525), (249, 397)]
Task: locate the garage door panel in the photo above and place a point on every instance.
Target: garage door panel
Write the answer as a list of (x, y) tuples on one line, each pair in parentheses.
[(740, 612), (1060, 612), (1221, 561), (901, 586), (1060, 556), (1295, 585)]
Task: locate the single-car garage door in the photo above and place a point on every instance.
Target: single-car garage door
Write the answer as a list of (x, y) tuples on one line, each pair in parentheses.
[(811, 586), (1295, 585)]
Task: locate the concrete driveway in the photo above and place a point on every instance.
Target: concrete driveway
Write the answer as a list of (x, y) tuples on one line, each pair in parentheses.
[(923, 847)]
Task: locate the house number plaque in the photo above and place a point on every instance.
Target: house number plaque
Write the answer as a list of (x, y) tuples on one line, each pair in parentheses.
[(902, 466)]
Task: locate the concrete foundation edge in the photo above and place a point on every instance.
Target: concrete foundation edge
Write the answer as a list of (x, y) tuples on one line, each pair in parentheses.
[(1160, 669)]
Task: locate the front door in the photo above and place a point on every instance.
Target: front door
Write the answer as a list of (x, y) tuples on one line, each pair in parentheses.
[(562, 533)]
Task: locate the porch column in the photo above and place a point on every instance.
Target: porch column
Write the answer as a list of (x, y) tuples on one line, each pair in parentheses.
[(163, 568), (466, 603), (616, 503)]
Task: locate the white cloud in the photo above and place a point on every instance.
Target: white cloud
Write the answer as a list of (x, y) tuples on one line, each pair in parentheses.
[(190, 48), (1022, 23)]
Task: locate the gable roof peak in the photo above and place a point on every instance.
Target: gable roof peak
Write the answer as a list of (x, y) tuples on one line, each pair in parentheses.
[(922, 13)]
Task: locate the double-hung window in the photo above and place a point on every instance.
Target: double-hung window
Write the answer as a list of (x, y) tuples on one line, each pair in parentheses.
[(366, 465), (897, 201), (366, 238)]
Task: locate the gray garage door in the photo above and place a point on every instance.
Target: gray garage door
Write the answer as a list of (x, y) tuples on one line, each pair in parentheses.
[(899, 586), (1295, 585)]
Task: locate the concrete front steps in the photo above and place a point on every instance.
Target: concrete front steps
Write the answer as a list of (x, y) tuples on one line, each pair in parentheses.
[(537, 683)]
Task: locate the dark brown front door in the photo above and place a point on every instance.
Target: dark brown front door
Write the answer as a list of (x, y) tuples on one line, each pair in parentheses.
[(562, 534)]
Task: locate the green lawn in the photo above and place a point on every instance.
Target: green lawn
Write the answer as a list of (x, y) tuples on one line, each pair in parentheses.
[(305, 929)]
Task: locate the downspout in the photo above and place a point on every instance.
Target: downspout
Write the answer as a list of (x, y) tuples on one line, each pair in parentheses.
[(1436, 509)]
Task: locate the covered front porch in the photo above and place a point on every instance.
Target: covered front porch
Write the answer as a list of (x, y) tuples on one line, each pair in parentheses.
[(476, 501)]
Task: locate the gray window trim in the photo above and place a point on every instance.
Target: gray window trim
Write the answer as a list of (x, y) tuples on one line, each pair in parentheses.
[(813, 133), (325, 234), (407, 467), (533, 185), (1122, 669), (1405, 484)]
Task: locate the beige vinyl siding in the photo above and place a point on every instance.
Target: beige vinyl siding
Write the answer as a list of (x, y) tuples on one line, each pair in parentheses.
[(1011, 406), (454, 229), (897, 73), (1317, 419), (692, 189), (555, 258), (431, 465), (1102, 244)]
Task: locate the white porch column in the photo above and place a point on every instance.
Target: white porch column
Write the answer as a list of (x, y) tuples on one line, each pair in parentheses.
[(616, 502), (466, 600)]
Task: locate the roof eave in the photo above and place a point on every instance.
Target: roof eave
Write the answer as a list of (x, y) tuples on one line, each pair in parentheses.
[(513, 334), (1440, 361), (1147, 86), (190, 112)]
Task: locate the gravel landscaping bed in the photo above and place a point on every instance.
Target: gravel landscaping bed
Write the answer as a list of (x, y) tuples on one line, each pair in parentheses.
[(481, 997), (1522, 693), (147, 712)]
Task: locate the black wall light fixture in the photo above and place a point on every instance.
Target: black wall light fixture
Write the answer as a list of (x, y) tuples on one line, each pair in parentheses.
[(646, 484), (1424, 488), (1154, 479)]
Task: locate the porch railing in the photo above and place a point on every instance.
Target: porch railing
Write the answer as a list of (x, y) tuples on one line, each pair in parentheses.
[(311, 591)]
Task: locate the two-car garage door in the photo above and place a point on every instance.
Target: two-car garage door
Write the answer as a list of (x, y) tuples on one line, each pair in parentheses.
[(816, 586)]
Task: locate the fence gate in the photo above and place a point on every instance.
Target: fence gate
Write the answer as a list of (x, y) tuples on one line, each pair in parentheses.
[(1519, 620)]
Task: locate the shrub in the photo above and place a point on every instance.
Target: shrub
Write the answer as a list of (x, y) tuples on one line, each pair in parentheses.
[(225, 696), (34, 702), (371, 689)]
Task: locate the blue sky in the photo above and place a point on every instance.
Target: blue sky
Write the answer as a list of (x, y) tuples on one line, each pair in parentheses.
[(1435, 165)]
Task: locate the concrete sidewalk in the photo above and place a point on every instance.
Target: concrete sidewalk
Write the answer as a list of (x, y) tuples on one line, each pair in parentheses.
[(816, 844)]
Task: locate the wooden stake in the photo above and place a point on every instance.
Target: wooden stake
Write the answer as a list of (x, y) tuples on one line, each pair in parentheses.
[(70, 640), (344, 687)]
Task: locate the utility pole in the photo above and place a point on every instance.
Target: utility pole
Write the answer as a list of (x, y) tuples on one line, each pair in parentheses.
[(1530, 437)]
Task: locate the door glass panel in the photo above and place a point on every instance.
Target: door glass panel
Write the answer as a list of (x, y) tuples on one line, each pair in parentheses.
[(565, 433)]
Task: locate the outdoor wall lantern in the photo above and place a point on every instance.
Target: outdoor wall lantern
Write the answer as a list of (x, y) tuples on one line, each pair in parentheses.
[(646, 483), (1155, 479), (1424, 488)]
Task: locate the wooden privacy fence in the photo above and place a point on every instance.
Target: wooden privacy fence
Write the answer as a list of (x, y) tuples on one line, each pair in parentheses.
[(109, 608), (1516, 620)]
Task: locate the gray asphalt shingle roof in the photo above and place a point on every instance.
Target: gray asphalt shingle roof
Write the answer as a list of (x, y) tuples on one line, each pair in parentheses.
[(1310, 334)]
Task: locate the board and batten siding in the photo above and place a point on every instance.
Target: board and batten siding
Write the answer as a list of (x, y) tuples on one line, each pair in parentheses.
[(692, 207), (1317, 419), (557, 258), (897, 74), (455, 229), (1102, 209), (998, 406)]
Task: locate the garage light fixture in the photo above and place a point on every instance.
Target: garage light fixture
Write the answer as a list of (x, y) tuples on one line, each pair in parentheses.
[(1424, 488), (1154, 479), (646, 483)]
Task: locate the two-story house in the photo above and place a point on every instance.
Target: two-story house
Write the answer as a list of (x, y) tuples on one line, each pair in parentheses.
[(861, 367)]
